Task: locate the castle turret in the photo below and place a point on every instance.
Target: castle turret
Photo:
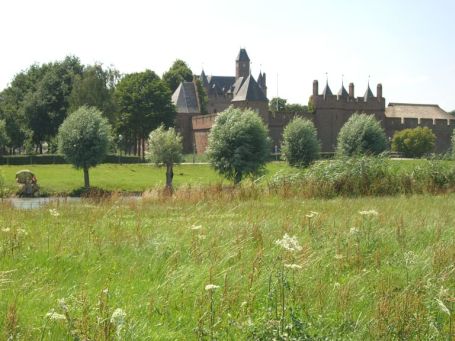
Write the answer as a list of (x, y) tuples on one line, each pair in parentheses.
[(327, 91), (262, 82), (242, 64), (368, 94)]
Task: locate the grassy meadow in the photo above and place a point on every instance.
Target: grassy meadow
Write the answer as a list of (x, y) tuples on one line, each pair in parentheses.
[(245, 266)]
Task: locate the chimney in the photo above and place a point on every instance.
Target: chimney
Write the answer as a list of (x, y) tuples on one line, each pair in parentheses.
[(315, 88), (379, 91), (351, 90)]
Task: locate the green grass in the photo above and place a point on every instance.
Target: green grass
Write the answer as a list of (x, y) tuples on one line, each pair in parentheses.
[(55, 179), (362, 277)]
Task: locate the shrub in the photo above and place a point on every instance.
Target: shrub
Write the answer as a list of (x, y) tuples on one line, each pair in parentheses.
[(84, 138), (165, 148), (361, 134), (238, 144), (300, 145), (414, 142), (453, 144)]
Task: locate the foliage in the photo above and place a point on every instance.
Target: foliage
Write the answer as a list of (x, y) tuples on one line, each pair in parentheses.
[(84, 139), (4, 139), (361, 134), (414, 142), (278, 104), (203, 99), (300, 142), (238, 145), (95, 88), (366, 176), (165, 148), (453, 144), (45, 108), (143, 103), (178, 72)]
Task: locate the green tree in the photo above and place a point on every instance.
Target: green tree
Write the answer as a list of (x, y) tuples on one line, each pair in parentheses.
[(361, 134), (143, 104), (414, 142), (46, 107), (84, 138), (238, 145), (277, 104), (95, 88), (4, 139), (165, 149), (203, 99), (300, 142), (179, 72)]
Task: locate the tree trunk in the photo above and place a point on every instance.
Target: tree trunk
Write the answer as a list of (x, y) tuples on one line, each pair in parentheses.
[(143, 149), (169, 177), (40, 148), (86, 178), (238, 178)]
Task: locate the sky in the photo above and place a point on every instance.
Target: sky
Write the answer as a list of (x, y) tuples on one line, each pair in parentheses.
[(407, 45)]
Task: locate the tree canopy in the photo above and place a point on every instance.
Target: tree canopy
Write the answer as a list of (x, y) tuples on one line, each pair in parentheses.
[(165, 149), (178, 72), (143, 103), (84, 138), (238, 144), (361, 134), (278, 104), (95, 88), (414, 142), (300, 142)]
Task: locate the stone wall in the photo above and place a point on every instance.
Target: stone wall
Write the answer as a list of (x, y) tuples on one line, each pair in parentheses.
[(201, 129), (442, 129)]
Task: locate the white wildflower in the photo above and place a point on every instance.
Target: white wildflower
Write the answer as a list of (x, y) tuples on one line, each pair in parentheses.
[(293, 266), (22, 231), (312, 214), (410, 258), (443, 307), (210, 287), (202, 236), (336, 285), (369, 213), (63, 305), (52, 315), (353, 231), (289, 243), (339, 256), (54, 212), (195, 227), (118, 319), (6, 230)]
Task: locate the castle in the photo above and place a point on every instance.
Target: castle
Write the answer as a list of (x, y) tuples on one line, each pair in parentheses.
[(330, 111)]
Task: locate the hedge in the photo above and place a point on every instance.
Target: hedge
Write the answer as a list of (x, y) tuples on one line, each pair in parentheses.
[(49, 159)]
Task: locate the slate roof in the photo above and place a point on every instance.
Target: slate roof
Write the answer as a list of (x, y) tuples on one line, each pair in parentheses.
[(243, 56), (327, 91), (408, 110), (343, 92), (368, 93), (249, 91), (185, 99), (220, 84)]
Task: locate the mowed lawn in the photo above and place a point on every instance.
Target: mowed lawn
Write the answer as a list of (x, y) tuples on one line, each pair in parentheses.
[(128, 177), (189, 269)]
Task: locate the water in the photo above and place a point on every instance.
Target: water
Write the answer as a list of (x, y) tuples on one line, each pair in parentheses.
[(31, 203)]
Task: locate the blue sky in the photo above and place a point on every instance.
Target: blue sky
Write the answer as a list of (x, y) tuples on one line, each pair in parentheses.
[(408, 46)]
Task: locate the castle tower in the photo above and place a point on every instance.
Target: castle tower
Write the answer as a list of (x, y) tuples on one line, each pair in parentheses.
[(242, 65), (262, 82)]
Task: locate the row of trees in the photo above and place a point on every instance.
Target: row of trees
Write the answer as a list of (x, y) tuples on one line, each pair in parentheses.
[(37, 101)]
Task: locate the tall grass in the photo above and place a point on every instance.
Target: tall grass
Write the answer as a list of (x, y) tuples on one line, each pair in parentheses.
[(360, 176), (349, 268)]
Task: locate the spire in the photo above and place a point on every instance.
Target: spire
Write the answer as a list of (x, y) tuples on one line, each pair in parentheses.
[(368, 93), (204, 80), (342, 93), (327, 91), (242, 56)]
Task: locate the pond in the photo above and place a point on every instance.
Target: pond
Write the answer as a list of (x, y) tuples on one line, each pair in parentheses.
[(31, 203)]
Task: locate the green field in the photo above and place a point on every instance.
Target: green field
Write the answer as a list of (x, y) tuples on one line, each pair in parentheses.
[(351, 276), (63, 179)]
